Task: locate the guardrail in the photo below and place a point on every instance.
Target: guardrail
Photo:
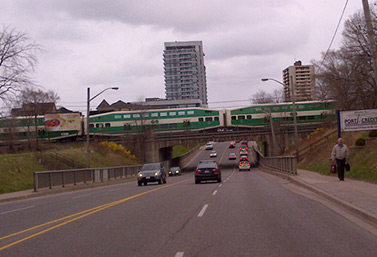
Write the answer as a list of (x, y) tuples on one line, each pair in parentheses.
[(284, 164), (49, 179)]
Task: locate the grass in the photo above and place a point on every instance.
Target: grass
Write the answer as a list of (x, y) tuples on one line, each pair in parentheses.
[(362, 159), (179, 150), (16, 170)]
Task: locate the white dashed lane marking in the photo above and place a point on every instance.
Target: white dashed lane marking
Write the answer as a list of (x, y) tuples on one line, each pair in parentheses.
[(179, 254), (201, 213), (214, 192), (21, 209), (81, 196)]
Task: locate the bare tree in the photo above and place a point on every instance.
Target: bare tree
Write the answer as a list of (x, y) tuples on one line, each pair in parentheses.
[(262, 97), (17, 61), (37, 102), (346, 75)]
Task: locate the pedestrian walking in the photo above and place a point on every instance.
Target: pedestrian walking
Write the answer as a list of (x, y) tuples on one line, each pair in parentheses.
[(339, 155)]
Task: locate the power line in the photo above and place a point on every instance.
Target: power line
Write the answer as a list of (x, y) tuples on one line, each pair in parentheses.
[(336, 30)]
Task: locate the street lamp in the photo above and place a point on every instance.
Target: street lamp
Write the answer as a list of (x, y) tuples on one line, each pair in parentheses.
[(87, 121), (294, 112)]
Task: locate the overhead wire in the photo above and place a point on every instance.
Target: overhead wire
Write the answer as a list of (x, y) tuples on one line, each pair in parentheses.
[(336, 31)]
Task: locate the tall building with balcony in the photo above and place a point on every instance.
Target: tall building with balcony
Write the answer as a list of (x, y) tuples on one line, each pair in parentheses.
[(300, 80), (185, 73)]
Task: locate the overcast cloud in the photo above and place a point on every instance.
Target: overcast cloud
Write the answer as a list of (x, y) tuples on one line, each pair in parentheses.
[(120, 43)]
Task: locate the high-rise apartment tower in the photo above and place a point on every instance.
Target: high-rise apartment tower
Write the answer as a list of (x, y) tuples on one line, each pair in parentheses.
[(185, 73), (300, 79)]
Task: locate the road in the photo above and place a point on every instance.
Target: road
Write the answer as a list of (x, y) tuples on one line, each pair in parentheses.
[(248, 214)]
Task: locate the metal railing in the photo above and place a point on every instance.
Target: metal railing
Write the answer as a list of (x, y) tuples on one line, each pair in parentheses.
[(284, 164), (50, 179)]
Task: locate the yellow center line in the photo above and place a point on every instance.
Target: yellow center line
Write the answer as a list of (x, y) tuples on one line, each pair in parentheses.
[(82, 213)]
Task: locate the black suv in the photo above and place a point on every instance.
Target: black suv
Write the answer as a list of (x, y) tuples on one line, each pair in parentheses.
[(207, 170), (151, 172)]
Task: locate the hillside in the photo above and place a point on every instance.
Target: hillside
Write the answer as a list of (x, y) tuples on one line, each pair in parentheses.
[(16, 170), (362, 158)]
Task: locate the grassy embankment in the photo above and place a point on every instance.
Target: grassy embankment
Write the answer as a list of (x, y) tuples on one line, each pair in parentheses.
[(16, 170), (362, 158)]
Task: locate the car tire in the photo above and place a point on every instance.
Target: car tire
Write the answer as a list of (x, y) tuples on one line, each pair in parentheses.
[(164, 181), (219, 181), (197, 182), (160, 181), (139, 184)]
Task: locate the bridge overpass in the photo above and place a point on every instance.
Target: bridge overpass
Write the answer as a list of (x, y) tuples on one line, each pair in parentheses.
[(154, 147)]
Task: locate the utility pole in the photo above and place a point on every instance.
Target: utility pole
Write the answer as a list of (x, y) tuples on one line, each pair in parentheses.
[(372, 41)]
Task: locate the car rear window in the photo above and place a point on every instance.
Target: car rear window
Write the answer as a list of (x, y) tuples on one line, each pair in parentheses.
[(151, 166), (208, 165)]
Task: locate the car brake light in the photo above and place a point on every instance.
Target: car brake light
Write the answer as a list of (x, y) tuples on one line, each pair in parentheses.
[(216, 170), (198, 171)]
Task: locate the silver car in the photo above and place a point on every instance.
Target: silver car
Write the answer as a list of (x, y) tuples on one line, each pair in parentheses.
[(151, 172)]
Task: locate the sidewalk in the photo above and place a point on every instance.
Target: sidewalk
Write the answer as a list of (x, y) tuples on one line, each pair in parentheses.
[(359, 197)]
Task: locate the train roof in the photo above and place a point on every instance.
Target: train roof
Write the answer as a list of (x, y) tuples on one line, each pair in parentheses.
[(280, 104)]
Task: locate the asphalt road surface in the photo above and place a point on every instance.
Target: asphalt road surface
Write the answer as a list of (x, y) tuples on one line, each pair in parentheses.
[(248, 214)]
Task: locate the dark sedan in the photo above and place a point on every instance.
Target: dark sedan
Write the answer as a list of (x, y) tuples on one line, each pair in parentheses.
[(207, 170)]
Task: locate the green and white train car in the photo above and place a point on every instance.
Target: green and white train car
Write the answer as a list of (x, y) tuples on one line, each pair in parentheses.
[(50, 126), (259, 115), (160, 120)]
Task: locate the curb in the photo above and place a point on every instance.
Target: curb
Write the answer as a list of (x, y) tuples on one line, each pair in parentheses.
[(364, 214)]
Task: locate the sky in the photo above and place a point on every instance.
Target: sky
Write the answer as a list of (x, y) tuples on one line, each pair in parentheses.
[(119, 43)]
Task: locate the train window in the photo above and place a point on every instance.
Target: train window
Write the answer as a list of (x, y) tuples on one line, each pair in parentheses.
[(234, 117), (181, 113), (173, 125), (206, 111), (216, 118), (145, 115), (127, 116), (311, 117), (258, 109), (241, 117), (91, 125), (190, 112), (136, 115), (276, 109), (107, 125), (208, 119), (301, 107), (302, 117), (99, 125), (172, 113), (154, 114), (116, 116), (163, 114), (164, 126), (201, 119), (248, 117)]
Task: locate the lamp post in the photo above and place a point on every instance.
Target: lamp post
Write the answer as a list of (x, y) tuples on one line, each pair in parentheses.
[(293, 98), (87, 121)]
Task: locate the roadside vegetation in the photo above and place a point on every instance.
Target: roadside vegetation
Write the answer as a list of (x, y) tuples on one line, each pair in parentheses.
[(179, 150), (16, 170), (362, 158)]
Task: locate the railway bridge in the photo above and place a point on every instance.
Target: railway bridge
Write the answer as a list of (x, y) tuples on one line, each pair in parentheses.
[(154, 147)]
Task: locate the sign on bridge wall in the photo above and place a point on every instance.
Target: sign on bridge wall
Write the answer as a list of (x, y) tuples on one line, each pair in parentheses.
[(358, 120)]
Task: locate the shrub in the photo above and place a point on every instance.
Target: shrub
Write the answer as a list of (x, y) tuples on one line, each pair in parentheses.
[(117, 148), (360, 142), (373, 133)]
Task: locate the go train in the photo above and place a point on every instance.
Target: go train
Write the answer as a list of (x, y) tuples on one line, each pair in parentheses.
[(71, 125)]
